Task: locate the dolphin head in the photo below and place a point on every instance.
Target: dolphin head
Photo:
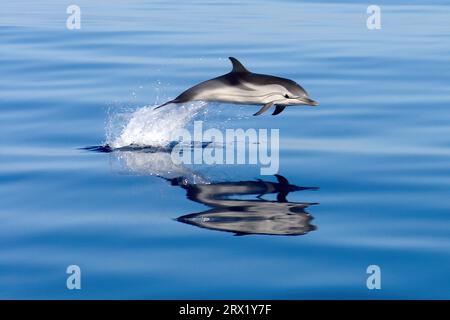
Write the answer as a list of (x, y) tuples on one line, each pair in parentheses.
[(293, 94)]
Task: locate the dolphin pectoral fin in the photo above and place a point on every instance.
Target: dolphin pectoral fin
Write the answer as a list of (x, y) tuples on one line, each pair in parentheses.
[(278, 109), (264, 108)]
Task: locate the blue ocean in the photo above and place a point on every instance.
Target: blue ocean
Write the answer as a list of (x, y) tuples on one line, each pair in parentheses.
[(363, 179)]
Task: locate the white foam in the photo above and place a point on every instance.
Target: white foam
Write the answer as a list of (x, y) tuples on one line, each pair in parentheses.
[(149, 127)]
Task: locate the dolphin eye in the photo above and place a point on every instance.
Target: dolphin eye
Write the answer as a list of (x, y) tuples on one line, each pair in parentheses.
[(286, 96)]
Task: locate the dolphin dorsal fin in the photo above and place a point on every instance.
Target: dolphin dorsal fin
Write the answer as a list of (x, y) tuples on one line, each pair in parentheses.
[(282, 180), (237, 66)]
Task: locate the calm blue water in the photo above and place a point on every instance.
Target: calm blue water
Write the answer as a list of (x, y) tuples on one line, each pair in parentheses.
[(377, 147)]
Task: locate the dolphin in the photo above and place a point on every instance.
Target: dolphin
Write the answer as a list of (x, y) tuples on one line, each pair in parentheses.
[(201, 192), (231, 211), (241, 86), (255, 217)]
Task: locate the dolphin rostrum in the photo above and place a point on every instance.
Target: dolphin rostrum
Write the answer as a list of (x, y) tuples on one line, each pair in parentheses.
[(241, 86)]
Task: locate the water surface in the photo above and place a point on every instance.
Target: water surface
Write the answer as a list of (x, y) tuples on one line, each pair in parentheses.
[(377, 148)]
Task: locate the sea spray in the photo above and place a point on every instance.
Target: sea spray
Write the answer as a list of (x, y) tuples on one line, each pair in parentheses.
[(141, 139), (149, 127), (146, 127)]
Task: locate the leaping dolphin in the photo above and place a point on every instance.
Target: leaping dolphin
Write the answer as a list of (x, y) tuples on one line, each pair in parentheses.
[(241, 86)]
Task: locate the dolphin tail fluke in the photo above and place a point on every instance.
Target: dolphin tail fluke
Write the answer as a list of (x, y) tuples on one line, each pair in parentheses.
[(166, 103), (264, 108)]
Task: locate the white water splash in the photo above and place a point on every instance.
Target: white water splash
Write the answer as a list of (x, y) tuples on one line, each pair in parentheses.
[(149, 127)]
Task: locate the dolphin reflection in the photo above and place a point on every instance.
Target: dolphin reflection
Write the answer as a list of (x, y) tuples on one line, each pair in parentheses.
[(229, 209), (253, 216)]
